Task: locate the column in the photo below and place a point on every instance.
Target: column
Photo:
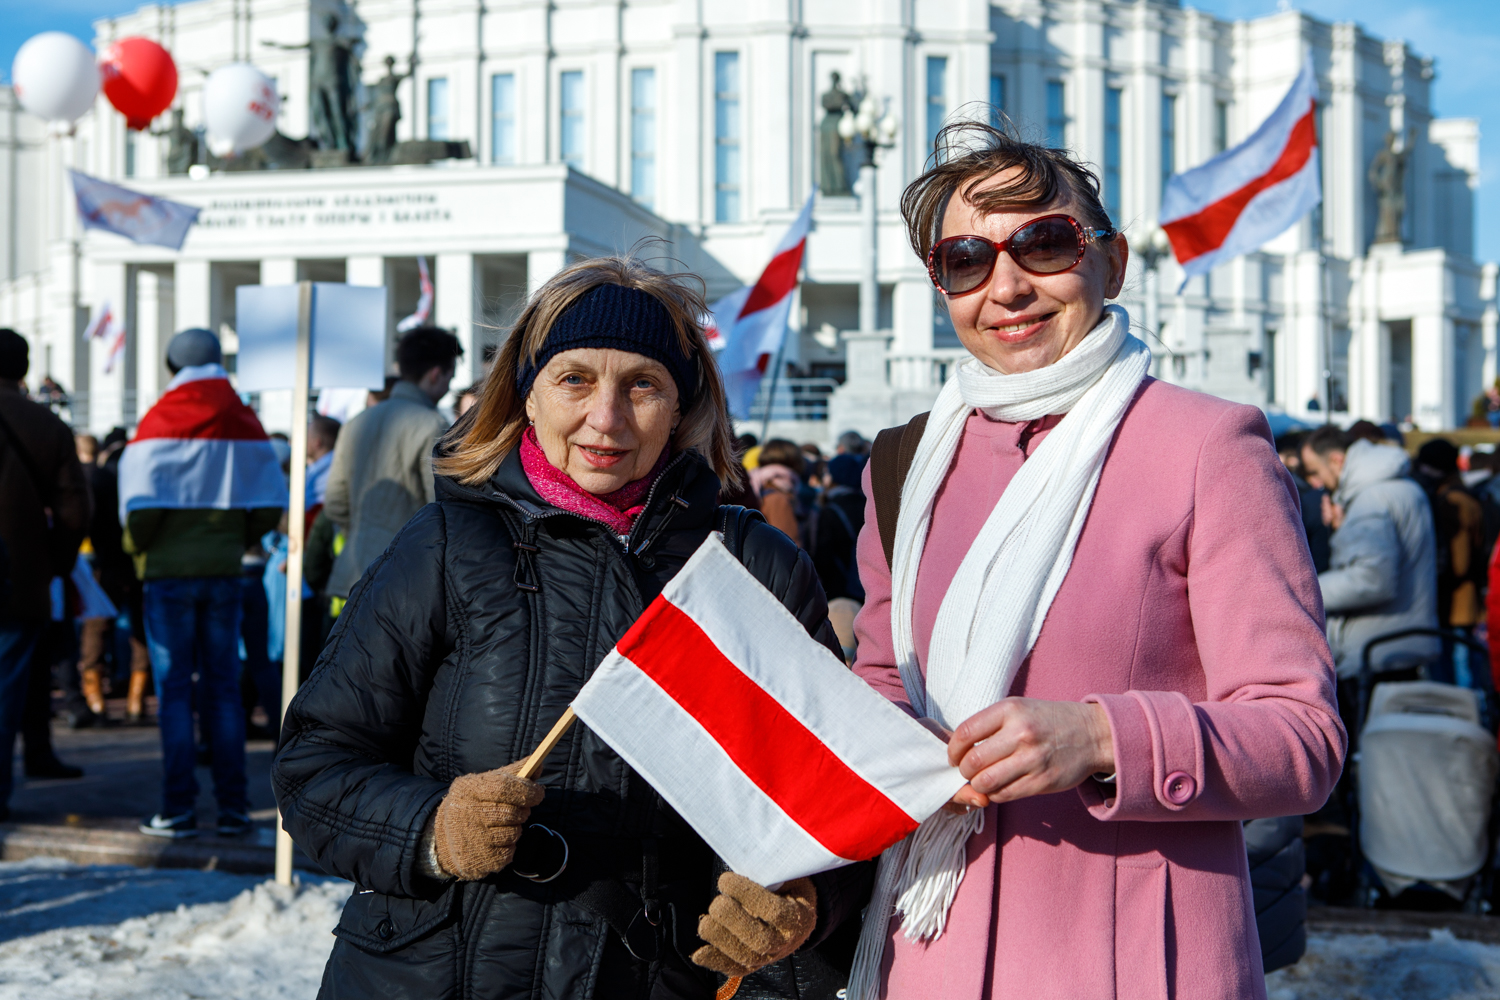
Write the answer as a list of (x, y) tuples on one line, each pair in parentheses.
[(278, 271), (455, 309), (543, 264), (150, 347), (108, 375), (911, 321), (1432, 371), (192, 305), (1487, 282), (365, 271)]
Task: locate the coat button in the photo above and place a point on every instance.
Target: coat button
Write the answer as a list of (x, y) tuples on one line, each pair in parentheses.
[(384, 930), (1180, 788), (647, 562)]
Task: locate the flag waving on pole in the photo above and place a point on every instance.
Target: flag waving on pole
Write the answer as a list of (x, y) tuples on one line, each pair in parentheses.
[(106, 325), (750, 324), (780, 758), (142, 218), (1252, 193), (423, 311)]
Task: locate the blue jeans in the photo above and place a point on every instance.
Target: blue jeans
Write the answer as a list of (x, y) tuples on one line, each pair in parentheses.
[(265, 673), (17, 640), (193, 626)]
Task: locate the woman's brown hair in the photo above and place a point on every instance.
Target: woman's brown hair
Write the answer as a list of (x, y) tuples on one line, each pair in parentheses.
[(965, 154), (475, 446)]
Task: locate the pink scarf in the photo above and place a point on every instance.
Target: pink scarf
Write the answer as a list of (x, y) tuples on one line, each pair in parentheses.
[(618, 509)]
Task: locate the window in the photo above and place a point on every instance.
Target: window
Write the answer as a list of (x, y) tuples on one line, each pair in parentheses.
[(726, 136), (1168, 138), (437, 108), (1112, 96), (1057, 115), (503, 118), (937, 98), (997, 98), (1221, 126), (129, 153), (570, 134), (643, 136)]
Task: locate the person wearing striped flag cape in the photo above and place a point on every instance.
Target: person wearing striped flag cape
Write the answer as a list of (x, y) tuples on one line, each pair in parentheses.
[(199, 484)]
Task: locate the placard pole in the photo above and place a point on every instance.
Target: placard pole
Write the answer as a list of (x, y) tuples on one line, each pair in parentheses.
[(296, 532)]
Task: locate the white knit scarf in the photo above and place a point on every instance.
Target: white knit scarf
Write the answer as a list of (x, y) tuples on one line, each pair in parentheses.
[(995, 605)]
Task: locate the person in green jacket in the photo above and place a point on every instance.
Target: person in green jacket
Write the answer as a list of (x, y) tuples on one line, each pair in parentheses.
[(199, 485)]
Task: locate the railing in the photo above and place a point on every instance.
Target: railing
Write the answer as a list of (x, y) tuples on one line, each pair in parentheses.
[(925, 370), (795, 399)]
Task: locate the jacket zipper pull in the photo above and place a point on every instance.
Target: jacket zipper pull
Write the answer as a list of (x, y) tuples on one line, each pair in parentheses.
[(527, 578)]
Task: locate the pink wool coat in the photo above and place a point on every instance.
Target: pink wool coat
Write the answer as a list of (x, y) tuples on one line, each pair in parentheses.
[(1192, 614)]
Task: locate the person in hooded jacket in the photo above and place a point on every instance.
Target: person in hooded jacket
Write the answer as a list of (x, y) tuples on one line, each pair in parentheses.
[(580, 483), (1382, 571)]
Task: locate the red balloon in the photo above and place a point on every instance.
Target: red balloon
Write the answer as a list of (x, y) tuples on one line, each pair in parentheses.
[(140, 79)]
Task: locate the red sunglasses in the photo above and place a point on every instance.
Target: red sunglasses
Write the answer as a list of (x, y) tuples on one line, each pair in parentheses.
[(1049, 245)]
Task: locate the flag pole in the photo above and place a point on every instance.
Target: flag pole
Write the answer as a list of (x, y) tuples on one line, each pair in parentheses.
[(765, 424), (533, 765), (296, 530)]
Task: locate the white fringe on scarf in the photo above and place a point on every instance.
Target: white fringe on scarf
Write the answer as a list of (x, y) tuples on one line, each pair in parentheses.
[(1017, 563)]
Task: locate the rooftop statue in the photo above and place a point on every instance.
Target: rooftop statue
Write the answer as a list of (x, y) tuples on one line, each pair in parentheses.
[(1388, 178), (833, 176), (333, 78), (182, 144), (384, 112)]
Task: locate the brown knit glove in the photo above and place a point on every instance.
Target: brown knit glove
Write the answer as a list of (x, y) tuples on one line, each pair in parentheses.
[(480, 820), (748, 926)]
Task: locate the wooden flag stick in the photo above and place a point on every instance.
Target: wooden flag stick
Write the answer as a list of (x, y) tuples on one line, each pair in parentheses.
[(533, 765)]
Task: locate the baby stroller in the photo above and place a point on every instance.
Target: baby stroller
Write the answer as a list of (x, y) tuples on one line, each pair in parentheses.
[(1427, 764)]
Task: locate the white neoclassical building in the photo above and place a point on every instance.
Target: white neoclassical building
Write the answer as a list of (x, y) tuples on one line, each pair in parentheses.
[(594, 124)]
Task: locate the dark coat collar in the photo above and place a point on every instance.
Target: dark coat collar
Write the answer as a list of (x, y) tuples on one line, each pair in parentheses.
[(687, 483)]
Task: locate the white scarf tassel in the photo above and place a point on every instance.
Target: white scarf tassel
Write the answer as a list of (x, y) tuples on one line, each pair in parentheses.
[(1018, 561)]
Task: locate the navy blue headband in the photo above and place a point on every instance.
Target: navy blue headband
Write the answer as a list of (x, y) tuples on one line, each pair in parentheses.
[(626, 319)]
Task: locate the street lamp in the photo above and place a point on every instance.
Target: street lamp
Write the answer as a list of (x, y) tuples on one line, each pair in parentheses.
[(1152, 250), (874, 131)]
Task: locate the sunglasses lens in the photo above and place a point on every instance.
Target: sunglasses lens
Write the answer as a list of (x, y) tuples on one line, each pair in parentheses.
[(1047, 246), (963, 264)]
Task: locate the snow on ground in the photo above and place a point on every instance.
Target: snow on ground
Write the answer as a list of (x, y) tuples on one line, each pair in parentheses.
[(1371, 967), (112, 932)]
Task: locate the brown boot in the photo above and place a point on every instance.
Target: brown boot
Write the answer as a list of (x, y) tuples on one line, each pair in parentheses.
[(92, 682), (90, 660), (135, 701)]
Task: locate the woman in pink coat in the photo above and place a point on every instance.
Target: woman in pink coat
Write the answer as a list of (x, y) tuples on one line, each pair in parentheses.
[(1099, 586)]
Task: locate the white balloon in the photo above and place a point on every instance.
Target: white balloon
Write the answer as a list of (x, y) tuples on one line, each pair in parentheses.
[(240, 105), (55, 76)]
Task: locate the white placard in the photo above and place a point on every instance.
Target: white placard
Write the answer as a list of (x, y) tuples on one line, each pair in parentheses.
[(348, 336)]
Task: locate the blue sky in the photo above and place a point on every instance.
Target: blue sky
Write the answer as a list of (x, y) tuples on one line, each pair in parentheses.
[(1462, 35)]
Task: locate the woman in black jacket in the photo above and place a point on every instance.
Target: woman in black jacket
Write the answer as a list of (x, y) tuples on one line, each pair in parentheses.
[(581, 482)]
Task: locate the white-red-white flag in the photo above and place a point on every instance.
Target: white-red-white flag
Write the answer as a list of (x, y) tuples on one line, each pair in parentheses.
[(749, 324), (1252, 193), (781, 759)]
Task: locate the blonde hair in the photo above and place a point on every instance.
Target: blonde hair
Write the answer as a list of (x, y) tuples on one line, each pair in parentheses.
[(480, 440)]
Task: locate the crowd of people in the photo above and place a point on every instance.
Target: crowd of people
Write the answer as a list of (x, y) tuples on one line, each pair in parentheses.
[(160, 568)]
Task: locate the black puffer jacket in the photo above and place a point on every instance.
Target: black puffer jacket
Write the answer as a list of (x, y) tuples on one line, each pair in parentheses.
[(459, 649), (1277, 863)]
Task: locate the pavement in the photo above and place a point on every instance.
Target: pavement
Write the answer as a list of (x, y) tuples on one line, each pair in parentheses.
[(94, 819)]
